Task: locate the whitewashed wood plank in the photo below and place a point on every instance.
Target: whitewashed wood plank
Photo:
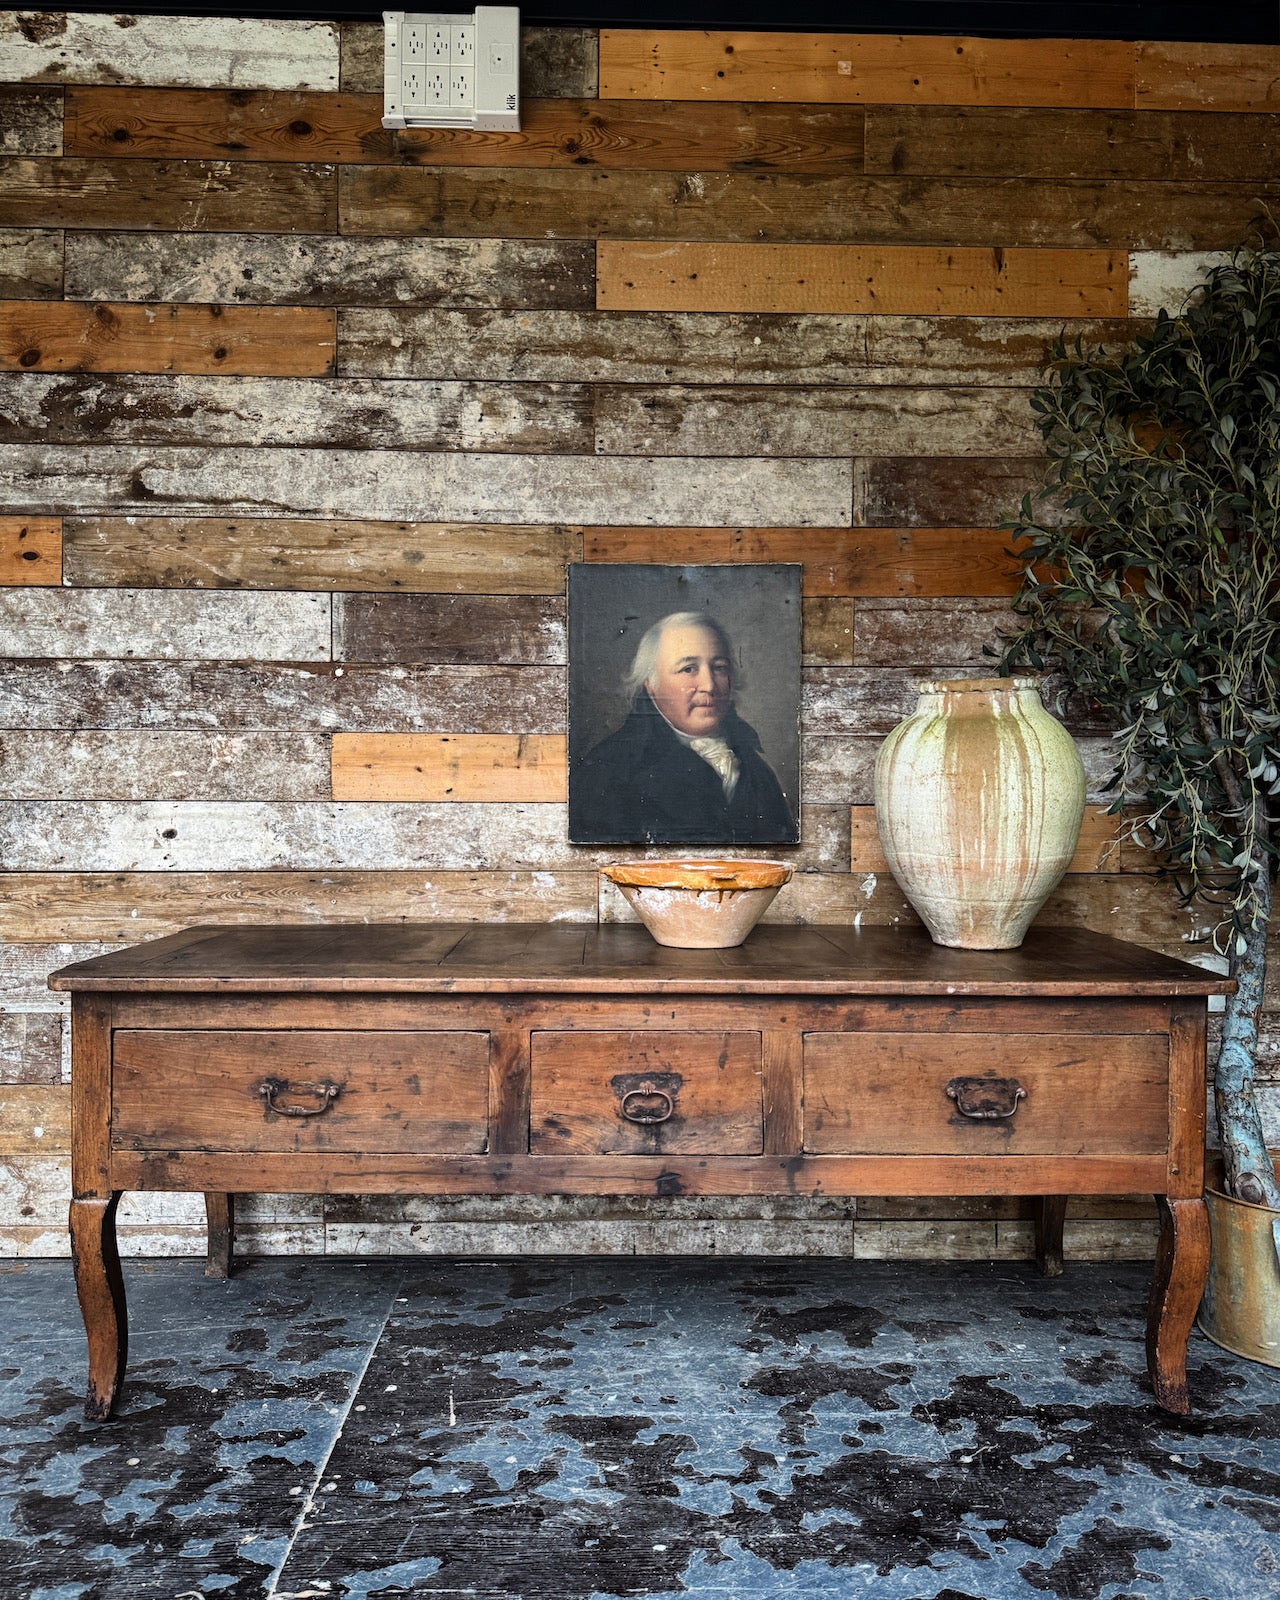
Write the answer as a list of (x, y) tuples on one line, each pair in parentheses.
[(128, 765), (836, 771), (888, 421), (260, 696), (929, 634), (1162, 279), (396, 485), (321, 270), (480, 1209), (30, 1046), (30, 264), (24, 969), (1084, 1239), (931, 1240), (191, 52), (165, 624), (30, 120), (227, 836), (350, 413)]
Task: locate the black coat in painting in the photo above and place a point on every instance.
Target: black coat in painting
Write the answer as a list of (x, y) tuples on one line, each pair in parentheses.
[(641, 785)]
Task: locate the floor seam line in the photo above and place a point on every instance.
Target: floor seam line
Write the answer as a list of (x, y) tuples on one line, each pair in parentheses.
[(309, 1500)]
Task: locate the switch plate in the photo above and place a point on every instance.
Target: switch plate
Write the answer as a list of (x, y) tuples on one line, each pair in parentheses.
[(451, 69)]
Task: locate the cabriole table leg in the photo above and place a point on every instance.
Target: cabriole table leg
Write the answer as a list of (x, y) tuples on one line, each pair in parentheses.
[(1182, 1266), (100, 1286)]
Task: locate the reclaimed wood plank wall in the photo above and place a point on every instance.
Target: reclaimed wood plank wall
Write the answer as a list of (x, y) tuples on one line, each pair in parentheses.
[(301, 423)]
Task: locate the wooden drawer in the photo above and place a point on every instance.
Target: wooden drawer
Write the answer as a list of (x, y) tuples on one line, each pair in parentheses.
[(426, 1093), (646, 1094), (887, 1094)]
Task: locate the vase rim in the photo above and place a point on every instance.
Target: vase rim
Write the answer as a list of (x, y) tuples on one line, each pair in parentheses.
[(975, 685)]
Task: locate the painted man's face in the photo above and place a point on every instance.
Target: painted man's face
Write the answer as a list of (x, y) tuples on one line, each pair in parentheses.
[(692, 683)]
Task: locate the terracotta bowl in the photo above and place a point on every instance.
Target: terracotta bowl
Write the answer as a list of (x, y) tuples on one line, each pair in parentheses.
[(699, 905)]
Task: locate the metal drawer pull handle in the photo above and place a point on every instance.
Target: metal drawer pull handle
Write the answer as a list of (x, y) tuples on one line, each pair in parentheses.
[(986, 1099), (326, 1092), (648, 1091)]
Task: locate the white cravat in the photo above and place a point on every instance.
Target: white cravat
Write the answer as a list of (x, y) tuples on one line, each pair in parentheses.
[(718, 754)]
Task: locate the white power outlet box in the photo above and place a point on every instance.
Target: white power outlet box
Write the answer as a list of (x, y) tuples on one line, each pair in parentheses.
[(447, 70)]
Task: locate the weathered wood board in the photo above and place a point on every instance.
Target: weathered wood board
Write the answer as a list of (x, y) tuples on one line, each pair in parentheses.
[(1208, 77), (671, 276), (411, 486), (226, 268), (30, 1047), (770, 207), (127, 764), (450, 767), (30, 264), (957, 491), (291, 553), (30, 121), (168, 625), (347, 413), (70, 336), (867, 68), (929, 632), (237, 52), (196, 196), (516, 630), (30, 551), (1162, 280)]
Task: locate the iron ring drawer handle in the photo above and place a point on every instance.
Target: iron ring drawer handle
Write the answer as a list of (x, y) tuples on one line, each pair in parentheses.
[(986, 1099), (325, 1092), (648, 1091)]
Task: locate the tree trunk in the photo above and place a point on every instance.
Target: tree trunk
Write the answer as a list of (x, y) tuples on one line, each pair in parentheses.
[(1250, 1171)]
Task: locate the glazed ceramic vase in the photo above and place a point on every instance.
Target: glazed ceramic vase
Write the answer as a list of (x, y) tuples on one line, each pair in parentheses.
[(979, 799)]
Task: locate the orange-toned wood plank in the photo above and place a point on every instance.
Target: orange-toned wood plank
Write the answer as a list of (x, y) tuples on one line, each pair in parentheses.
[(1208, 77), (874, 69), (276, 126), (908, 280), (861, 562), (449, 766), (241, 341), (30, 551), (1098, 850)]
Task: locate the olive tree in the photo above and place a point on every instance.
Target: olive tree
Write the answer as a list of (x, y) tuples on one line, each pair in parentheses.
[(1155, 592)]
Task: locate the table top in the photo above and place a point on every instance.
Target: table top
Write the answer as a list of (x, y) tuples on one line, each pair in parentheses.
[(622, 958)]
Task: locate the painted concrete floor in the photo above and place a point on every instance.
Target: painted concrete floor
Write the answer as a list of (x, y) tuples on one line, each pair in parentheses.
[(560, 1430)]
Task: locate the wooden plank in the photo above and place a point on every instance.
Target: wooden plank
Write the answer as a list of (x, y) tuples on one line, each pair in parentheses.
[(449, 766), (393, 485), (707, 347), (169, 626), (30, 264), (253, 836), (671, 276), (1033, 143), (772, 421), (292, 553), (30, 1047), (553, 61), (325, 271), (867, 68), (796, 208), (576, 133), (201, 196), (1097, 851), (234, 52), (1208, 77), (863, 702), (123, 907), (347, 413), (361, 55), (826, 633), (25, 969), (124, 764), (30, 121), (928, 633), (30, 551), (35, 1121), (1162, 280), (452, 629), (36, 336), (946, 492), (258, 695), (860, 562)]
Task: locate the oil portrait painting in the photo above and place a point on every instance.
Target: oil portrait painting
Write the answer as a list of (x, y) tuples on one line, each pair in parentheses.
[(684, 704)]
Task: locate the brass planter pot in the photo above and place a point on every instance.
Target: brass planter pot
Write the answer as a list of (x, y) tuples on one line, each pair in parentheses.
[(1241, 1305)]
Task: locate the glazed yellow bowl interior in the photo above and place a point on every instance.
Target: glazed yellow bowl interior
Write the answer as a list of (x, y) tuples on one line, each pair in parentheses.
[(698, 875)]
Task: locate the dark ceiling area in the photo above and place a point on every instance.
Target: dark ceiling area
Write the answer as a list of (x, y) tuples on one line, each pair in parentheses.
[(1238, 21)]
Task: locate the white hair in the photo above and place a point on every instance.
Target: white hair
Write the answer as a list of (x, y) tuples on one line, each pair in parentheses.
[(645, 661)]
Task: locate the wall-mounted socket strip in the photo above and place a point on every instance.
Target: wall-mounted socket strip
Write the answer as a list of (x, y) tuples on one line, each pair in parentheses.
[(452, 70)]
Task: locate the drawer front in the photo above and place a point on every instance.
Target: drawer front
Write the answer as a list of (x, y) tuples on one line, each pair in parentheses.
[(980, 1094), (381, 1093), (646, 1094)]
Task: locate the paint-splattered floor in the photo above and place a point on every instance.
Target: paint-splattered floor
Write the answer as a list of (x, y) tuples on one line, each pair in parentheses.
[(580, 1430)]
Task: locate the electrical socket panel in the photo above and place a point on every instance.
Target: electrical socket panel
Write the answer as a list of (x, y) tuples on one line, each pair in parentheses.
[(452, 70)]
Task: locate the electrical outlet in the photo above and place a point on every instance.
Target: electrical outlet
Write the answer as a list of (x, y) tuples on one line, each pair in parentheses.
[(462, 44), (413, 42), (437, 89), (461, 86), (452, 69), (413, 90), (438, 42)]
